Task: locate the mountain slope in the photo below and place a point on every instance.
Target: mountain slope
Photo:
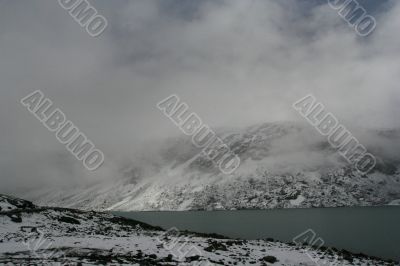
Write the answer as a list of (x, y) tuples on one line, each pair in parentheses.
[(283, 165)]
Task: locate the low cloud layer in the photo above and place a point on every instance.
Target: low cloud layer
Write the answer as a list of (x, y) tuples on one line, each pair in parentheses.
[(236, 63)]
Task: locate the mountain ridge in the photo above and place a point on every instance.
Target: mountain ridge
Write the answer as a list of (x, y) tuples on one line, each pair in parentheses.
[(283, 165)]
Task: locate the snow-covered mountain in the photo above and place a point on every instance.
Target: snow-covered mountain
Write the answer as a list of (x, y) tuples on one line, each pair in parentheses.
[(283, 165), (33, 235)]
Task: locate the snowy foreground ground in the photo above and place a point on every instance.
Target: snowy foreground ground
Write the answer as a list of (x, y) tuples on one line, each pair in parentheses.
[(31, 235)]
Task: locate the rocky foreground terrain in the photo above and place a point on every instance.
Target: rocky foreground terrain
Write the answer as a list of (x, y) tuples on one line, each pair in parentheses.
[(32, 235)]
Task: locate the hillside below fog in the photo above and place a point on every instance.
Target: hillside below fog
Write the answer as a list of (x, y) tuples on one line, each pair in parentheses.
[(283, 165)]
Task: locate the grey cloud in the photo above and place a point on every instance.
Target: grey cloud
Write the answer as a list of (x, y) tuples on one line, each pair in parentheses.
[(235, 63)]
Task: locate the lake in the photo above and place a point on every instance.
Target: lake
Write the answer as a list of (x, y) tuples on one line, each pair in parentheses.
[(371, 230)]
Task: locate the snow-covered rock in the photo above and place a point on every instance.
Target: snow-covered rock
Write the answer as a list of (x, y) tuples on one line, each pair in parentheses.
[(283, 165), (8, 203), (33, 235)]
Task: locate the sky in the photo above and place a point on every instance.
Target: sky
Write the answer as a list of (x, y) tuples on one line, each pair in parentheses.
[(235, 63)]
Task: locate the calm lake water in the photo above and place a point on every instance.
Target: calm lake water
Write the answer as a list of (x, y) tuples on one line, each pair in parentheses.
[(370, 230)]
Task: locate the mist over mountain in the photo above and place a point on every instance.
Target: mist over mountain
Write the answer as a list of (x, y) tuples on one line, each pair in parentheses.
[(235, 63), (300, 98), (283, 164)]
